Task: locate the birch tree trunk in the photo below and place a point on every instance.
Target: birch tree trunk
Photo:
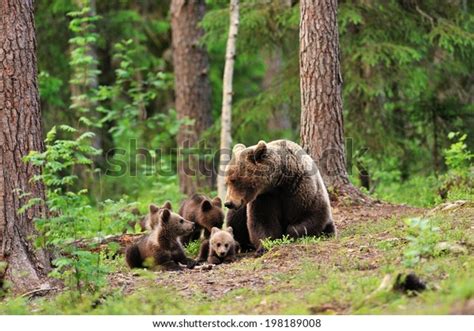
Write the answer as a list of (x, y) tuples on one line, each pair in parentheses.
[(226, 117), (193, 91), (22, 265), (322, 126)]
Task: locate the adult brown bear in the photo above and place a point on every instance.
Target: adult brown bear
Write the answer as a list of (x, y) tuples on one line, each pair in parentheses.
[(282, 190)]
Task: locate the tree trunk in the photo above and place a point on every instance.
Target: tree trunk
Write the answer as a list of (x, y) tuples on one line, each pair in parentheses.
[(193, 91), (20, 125), (322, 127), (226, 116)]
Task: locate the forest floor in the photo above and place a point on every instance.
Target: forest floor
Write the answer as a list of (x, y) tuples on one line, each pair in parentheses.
[(352, 274), (339, 275)]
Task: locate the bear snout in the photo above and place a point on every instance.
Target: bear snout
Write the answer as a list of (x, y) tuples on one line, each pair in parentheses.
[(229, 204), (234, 205)]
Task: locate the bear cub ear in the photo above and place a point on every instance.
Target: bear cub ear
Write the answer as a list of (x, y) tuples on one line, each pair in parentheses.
[(206, 205), (217, 202), (165, 215), (259, 153), (153, 208), (167, 205), (214, 230), (230, 230)]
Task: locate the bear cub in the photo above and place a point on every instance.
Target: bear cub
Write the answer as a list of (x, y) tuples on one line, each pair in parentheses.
[(206, 214), (161, 247), (222, 246)]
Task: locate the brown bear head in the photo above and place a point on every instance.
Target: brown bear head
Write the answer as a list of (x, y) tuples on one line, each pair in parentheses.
[(152, 219), (251, 171), (210, 213), (173, 224), (222, 241)]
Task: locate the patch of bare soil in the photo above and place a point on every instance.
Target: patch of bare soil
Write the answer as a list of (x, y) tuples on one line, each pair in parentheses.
[(348, 215), (254, 274)]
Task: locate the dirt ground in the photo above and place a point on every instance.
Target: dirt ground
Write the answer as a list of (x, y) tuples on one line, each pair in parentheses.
[(219, 280)]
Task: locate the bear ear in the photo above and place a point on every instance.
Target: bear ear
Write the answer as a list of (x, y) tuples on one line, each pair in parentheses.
[(230, 230), (206, 205), (259, 153), (153, 208), (167, 205), (238, 148), (214, 230), (217, 202), (165, 215)]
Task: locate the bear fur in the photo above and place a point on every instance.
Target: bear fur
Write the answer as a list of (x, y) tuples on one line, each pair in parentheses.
[(283, 191), (146, 221), (206, 214), (161, 247), (222, 246), (237, 219), (149, 222)]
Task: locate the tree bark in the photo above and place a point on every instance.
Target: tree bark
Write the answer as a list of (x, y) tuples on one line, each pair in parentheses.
[(20, 125), (226, 116), (322, 127), (193, 91)]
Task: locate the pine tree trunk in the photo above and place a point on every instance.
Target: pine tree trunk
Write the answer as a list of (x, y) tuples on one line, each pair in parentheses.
[(20, 125), (193, 90), (226, 116), (322, 127)]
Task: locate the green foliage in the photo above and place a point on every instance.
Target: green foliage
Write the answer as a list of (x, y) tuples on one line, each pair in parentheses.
[(268, 243), (136, 86), (124, 106), (405, 68), (192, 248), (67, 162), (422, 238), (419, 191), (458, 181), (69, 209), (84, 65), (458, 157)]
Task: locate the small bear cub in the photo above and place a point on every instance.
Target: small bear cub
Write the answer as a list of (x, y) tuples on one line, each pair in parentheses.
[(206, 213), (222, 246), (161, 247)]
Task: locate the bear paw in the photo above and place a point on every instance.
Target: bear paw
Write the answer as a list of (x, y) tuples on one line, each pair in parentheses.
[(190, 264)]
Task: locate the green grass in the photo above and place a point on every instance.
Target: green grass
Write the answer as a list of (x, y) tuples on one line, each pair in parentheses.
[(343, 280), (192, 248), (417, 191)]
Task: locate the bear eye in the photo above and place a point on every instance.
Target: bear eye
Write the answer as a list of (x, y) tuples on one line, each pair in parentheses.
[(219, 245), (226, 245), (181, 221)]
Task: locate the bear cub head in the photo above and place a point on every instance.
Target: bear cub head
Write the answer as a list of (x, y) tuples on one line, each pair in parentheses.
[(251, 171), (221, 244), (210, 214), (169, 223), (152, 219)]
